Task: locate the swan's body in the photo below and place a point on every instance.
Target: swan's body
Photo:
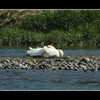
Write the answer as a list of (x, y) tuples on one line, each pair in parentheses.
[(46, 51)]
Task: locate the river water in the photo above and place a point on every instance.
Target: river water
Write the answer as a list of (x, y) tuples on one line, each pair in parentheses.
[(49, 80), (23, 79), (21, 51)]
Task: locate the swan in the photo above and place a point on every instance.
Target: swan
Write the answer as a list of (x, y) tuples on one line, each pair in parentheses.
[(46, 51)]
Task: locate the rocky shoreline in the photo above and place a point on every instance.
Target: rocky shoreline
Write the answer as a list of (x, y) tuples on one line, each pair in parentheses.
[(67, 63)]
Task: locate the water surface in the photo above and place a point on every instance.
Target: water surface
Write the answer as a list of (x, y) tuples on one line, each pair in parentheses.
[(21, 51), (49, 80), (23, 79)]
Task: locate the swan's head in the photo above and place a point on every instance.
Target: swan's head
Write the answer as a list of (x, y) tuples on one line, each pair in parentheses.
[(61, 53)]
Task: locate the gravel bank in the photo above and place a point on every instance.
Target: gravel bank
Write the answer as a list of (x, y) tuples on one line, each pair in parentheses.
[(67, 63)]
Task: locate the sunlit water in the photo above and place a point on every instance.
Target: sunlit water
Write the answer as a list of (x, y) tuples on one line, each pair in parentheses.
[(23, 79)]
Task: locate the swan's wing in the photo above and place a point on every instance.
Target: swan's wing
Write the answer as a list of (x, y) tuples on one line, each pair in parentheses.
[(30, 48), (50, 52), (45, 47), (45, 52), (35, 52), (50, 46)]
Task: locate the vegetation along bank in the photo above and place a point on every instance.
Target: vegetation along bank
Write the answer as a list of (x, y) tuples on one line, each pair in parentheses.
[(56, 27)]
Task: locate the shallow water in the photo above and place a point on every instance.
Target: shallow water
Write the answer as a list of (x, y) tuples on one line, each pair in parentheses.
[(49, 80), (21, 79), (21, 51)]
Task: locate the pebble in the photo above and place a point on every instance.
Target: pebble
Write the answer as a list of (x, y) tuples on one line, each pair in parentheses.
[(78, 63)]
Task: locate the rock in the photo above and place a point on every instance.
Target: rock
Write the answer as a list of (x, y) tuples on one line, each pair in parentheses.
[(82, 63), (83, 66), (53, 68), (85, 59)]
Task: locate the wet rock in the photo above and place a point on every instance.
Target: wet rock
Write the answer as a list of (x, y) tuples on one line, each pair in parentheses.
[(83, 66), (69, 63), (76, 68), (53, 68), (86, 59), (76, 65), (0, 66), (66, 68), (7, 67), (71, 67), (42, 66)]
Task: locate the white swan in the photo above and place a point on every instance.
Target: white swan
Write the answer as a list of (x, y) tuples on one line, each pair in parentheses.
[(46, 51)]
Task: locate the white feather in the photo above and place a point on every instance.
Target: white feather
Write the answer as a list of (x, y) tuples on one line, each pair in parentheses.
[(46, 51)]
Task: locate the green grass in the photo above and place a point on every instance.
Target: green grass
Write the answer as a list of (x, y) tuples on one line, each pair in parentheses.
[(13, 36), (56, 27)]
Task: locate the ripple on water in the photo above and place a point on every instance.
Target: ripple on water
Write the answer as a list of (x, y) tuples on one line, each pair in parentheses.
[(18, 79)]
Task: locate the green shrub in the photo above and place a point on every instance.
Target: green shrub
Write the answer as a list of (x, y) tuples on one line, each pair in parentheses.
[(56, 27)]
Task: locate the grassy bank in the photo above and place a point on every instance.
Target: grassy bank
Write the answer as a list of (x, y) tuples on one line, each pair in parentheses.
[(56, 27)]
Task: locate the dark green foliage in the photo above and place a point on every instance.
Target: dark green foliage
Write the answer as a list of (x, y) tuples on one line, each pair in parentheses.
[(48, 20), (56, 27)]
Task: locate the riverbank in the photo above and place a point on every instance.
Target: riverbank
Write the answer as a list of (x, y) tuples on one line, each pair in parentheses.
[(56, 27), (66, 63)]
